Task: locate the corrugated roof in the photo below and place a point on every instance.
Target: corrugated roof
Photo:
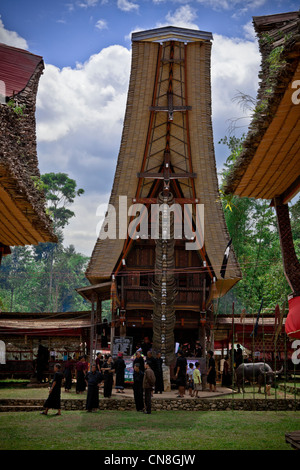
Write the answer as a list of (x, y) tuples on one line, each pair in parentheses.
[(16, 68)]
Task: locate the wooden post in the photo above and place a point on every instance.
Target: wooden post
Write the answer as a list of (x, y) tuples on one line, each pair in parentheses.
[(98, 318), (92, 331), (290, 260)]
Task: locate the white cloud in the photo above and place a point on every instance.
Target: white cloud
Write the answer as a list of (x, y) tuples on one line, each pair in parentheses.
[(11, 38), (249, 31), (126, 5), (80, 114), (87, 3), (240, 6), (90, 208), (101, 24), (183, 17), (234, 68), (88, 95)]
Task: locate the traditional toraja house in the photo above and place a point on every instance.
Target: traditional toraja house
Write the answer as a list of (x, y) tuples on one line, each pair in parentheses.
[(269, 166), (164, 287), (62, 334), (23, 220)]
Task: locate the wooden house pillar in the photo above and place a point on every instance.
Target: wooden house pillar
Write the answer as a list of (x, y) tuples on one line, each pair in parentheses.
[(92, 330), (290, 260)]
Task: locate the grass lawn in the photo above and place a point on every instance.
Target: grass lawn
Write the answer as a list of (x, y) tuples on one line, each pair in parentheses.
[(36, 393), (129, 430)]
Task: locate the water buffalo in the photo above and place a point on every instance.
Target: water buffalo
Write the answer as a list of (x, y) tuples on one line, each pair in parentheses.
[(257, 372)]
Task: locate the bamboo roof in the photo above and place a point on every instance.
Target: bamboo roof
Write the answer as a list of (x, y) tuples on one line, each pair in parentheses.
[(145, 53), (23, 219), (269, 165)]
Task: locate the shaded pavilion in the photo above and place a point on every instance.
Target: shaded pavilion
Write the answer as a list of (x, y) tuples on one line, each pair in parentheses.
[(23, 218), (269, 165), (163, 289)]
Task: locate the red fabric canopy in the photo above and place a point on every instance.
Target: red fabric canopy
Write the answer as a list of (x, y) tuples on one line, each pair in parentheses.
[(292, 324)]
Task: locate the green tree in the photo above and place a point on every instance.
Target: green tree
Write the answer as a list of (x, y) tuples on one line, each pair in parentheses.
[(253, 228), (60, 192), (44, 277)]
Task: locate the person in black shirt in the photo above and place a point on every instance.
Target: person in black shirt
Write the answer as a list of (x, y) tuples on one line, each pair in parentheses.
[(151, 361), (139, 360), (138, 377), (93, 380), (99, 362), (120, 367), (198, 349), (146, 346), (211, 375), (180, 373), (53, 400), (159, 383), (238, 356), (108, 372)]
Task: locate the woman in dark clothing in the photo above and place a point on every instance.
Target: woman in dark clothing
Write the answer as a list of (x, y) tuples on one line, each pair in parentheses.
[(53, 400), (120, 367), (180, 373), (211, 376), (68, 374), (138, 377), (159, 383), (81, 369), (108, 370), (93, 380), (226, 377)]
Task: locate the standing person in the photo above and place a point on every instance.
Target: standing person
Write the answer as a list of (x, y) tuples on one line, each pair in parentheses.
[(108, 370), (42, 362), (226, 376), (140, 360), (81, 369), (238, 356), (148, 384), (68, 374), (93, 380), (198, 349), (159, 383), (99, 362), (151, 361), (211, 375), (190, 379), (146, 345), (53, 400), (222, 361), (180, 373), (138, 377), (197, 379), (120, 367), (104, 334)]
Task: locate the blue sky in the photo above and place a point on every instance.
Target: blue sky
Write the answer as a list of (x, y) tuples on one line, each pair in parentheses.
[(65, 32), (82, 93)]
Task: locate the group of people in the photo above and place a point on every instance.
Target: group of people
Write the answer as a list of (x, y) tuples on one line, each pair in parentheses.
[(190, 376), (144, 380), (101, 372), (147, 378)]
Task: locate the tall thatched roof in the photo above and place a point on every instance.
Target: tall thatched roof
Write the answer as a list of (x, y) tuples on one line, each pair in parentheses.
[(269, 165), (23, 219), (146, 56)]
